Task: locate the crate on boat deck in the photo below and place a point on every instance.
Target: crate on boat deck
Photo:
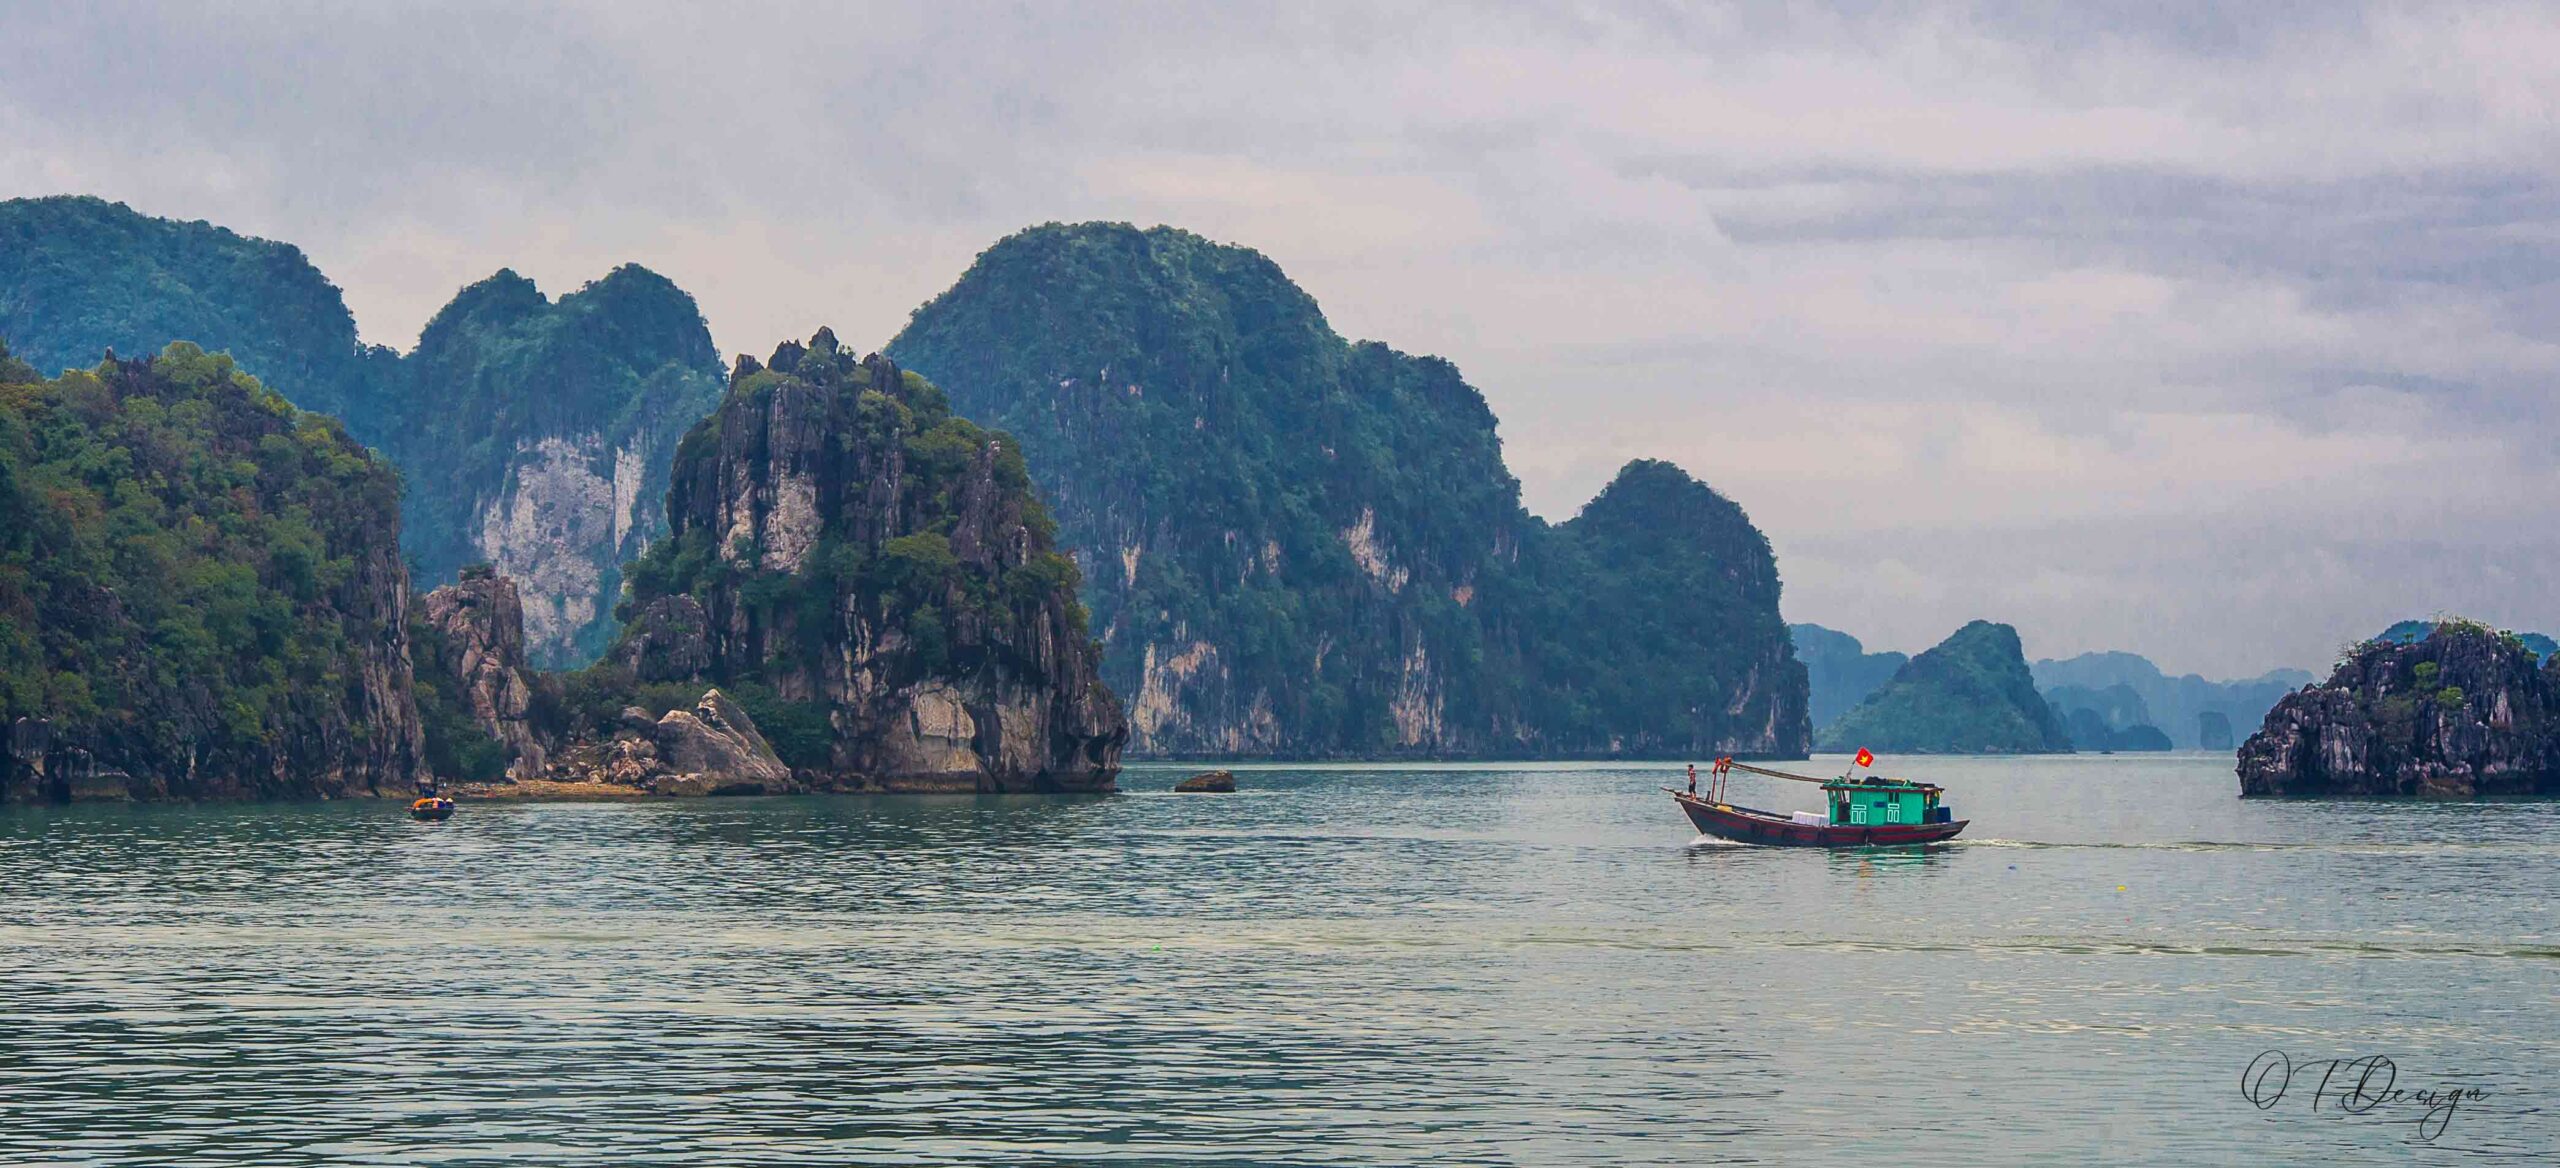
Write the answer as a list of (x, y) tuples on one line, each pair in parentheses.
[(1810, 818)]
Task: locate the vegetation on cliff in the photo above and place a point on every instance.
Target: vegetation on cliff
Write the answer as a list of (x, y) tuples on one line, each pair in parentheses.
[(534, 435), (80, 276), (199, 584), (1298, 545), (848, 553), (2464, 711), (2410, 632), (1970, 694)]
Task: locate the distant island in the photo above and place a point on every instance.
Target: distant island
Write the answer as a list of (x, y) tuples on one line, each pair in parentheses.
[(2464, 710), (1970, 694), (2111, 701), (1839, 672), (2190, 712)]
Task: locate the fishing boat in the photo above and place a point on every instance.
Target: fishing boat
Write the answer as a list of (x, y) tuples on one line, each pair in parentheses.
[(431, 807), (1862, 812)]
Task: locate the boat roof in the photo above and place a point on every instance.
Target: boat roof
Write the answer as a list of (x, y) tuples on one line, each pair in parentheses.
[(1879, 783)]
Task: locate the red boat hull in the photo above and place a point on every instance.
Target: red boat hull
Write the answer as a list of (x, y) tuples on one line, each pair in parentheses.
[(1746, 825)]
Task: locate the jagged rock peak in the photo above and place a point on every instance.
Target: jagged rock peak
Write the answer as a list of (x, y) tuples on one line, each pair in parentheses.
[(2464, 712), (841, 539)]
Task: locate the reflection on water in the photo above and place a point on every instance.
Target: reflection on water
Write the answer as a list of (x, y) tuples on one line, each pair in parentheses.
[(1529, 965)]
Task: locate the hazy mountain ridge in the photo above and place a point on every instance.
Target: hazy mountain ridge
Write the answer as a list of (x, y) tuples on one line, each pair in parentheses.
[(1839, 672), (2182, 707)]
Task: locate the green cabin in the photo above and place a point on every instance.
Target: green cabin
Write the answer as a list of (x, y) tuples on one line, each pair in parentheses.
[(1874, 802)]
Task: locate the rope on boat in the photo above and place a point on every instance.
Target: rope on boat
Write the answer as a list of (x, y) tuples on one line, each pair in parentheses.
[(1724, 765)]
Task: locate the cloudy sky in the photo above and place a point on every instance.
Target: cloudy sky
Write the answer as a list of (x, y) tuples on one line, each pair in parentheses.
[(2224, 333)]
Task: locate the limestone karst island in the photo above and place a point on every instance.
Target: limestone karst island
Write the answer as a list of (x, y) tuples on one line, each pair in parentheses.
[(1149, 586), (1116, 492)]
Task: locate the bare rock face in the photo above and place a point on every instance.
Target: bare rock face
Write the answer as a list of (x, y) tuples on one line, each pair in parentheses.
[(667, 640), (841, 539), (2464, 713), (718, 744), (536, 433), (480, 623)]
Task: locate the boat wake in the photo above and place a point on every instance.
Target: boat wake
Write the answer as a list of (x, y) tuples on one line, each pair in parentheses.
[(2374, 848)]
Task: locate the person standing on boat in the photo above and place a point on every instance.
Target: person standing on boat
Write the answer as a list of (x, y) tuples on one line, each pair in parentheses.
[(1693, 780)]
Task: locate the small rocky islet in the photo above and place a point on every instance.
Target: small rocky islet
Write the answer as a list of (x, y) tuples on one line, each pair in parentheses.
[(2460, 711)]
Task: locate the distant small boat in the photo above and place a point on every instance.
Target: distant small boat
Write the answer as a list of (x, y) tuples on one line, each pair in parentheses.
[(1871, 812), (431, 807)]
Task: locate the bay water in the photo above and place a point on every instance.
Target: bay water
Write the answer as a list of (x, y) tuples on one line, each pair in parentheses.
[(1480, 964)]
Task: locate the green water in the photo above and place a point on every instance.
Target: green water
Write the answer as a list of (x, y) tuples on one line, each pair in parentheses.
[(1340, 965)]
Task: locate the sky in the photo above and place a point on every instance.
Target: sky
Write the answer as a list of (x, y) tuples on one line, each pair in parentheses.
[(2222, 333)]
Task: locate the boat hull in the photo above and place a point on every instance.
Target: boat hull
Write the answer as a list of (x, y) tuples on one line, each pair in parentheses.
[(1745, 825)]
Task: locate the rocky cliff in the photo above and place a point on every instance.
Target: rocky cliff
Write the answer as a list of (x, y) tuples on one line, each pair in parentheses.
[(1297, 545), (844, 543), (201, 591), (475, 646), (1970, 694), (534, 435), (2466, 711)]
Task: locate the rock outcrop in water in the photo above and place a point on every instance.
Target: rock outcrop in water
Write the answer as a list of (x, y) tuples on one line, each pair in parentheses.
[(1300, 546), (1971, 694), (201, 591), (2466, 711), (844, 543)]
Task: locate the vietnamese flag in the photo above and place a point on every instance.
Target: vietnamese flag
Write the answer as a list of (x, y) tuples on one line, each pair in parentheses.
[(1865, 759)]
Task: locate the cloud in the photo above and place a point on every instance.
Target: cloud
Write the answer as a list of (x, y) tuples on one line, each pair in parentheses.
[(2217, 332)]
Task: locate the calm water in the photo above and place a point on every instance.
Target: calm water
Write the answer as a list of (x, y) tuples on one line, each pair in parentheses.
[(1509, 965)]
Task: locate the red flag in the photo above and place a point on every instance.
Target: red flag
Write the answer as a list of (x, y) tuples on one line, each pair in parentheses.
[(1865, 759)]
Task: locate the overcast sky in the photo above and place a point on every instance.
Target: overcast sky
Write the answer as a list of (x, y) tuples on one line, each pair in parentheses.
[(2222, 333)]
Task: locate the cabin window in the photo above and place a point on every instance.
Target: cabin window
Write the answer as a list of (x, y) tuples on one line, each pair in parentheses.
[(1892, 811), (1857, 813)]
